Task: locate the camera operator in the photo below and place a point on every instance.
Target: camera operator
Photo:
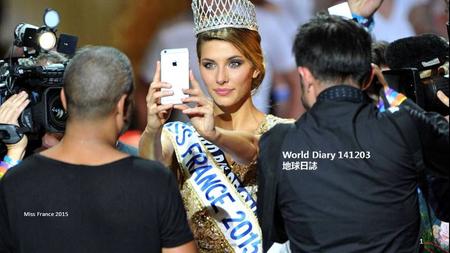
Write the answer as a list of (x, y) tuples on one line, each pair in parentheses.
[(344, 177), (428, 53), (9, 113), (42, 140), (50, 139), (84, 185)]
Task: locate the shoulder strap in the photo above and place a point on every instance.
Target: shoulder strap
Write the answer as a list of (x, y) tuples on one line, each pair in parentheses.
[(271, 173)]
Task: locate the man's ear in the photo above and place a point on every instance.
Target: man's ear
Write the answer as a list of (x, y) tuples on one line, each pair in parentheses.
[(307, 78), (63, 98), (369, 79), (122, 105)]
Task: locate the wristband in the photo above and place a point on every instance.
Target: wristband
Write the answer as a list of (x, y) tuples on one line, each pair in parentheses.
[(3, 168), (11, 162), (368, 23)]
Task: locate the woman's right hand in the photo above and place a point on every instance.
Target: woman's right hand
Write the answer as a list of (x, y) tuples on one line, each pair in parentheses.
[(152, 144), (157, 114)]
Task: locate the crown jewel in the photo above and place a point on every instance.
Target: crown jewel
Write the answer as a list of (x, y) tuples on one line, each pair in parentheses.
[(215, 14)]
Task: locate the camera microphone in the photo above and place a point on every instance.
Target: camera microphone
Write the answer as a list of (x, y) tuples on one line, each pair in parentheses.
[(426, 54)]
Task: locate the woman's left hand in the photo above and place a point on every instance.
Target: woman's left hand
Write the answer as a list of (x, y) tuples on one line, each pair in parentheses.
[(202, 114)]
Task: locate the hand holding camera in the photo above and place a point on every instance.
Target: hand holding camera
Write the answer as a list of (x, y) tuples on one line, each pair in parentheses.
[(39, 72), (13, 107), (9, 114)]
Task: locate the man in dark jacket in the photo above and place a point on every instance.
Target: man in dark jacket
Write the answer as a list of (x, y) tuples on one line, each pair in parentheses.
[(346, 175), (84, 195)]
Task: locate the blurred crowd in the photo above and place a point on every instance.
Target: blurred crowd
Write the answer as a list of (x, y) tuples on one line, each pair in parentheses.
[(255, 93)]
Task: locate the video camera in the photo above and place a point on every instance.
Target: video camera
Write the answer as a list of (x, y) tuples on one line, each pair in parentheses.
[(422, 92), (419, 69), (43, 83)]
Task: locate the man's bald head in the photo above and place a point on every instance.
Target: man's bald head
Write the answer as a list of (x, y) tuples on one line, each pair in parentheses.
[(95, 80)]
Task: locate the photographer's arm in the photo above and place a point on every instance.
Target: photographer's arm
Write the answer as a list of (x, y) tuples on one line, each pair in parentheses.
[(363, 11), (17, 151), (434, 136), (444, 99), (364, 8)]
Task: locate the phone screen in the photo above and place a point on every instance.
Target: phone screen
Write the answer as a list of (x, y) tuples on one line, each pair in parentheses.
[(175, 71)]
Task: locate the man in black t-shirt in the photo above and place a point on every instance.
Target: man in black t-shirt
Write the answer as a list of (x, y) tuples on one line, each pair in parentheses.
[(347, 176), (83, 195)]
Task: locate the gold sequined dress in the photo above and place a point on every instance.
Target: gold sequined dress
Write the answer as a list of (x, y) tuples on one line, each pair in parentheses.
[(206, 233)]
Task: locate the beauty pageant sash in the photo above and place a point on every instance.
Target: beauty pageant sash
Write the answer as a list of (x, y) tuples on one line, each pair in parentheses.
[(217, 187)]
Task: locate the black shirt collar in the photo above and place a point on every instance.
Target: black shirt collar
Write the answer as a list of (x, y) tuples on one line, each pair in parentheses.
[(342, 92)]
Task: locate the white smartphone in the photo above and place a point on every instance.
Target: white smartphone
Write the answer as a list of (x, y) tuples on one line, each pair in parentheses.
[(175, 71)]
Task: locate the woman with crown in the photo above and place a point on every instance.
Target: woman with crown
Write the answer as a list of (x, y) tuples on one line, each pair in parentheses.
[(214, 155)]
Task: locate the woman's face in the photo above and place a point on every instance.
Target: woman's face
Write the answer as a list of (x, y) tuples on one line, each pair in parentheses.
[(226, 72)]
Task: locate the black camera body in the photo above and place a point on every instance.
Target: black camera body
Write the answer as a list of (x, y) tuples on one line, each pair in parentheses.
[(419, 69), (42, 81), (424, 94), (43, 85)]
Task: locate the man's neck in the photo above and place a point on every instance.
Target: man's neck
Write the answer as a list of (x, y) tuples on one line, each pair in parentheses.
[(89, 143), (324, 86)]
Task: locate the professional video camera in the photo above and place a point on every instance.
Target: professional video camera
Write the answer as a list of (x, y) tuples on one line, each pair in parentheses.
[(419, 69), (42, 82)]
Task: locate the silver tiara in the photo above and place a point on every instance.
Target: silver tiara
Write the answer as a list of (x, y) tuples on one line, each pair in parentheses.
[(215, 14)]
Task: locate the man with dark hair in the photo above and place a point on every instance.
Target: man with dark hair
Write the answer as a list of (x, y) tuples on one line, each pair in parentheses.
[(345, 176), (83, 195)]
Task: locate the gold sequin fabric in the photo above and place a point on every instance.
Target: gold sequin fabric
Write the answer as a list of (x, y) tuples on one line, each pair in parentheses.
[(207, 234)]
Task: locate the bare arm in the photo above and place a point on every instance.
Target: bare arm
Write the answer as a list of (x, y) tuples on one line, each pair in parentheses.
[(365, 8), (189, 247), (242, 146), (152, 144)]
